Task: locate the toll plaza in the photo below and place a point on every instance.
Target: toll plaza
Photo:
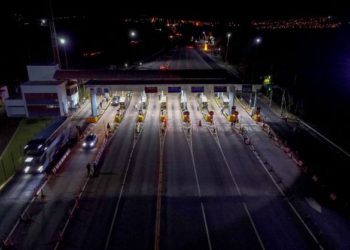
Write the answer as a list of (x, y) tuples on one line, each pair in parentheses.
[(183, 82)]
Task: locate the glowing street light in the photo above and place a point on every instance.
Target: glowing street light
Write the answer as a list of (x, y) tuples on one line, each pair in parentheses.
[(258, 40), (132, 33), (62, 41)]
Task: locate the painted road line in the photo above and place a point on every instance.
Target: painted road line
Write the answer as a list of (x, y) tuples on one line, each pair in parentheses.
[(240, 194), (159, 191), (190, 145), (116, 209), (287, 200)]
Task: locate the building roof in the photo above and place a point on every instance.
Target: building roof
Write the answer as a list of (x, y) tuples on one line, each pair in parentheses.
[(119, 77), (43, 83)]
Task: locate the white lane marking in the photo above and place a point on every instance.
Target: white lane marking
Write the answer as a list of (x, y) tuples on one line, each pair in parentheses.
[(159, 189), (240, 194), (189, 143), (121, 193), (314, 204), (216, 139), (200, 196), (288, 202)]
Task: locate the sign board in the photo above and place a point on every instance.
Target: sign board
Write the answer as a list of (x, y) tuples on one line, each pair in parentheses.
[(197, 89), (247, 88), (151, 89), (174, 89), (220, 88)]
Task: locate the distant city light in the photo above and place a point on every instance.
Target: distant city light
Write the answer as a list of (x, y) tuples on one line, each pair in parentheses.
[(43, 21), (126, 65), (140, 63)]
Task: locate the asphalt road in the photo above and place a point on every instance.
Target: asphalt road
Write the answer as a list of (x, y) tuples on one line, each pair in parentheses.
[(182, 216), (326, 161), (309, 197), (20, 190), (267, 205), (134, 226), (14, 197), (102, 192), (229, 224), (47, 214), (134, 204), (179, 58)]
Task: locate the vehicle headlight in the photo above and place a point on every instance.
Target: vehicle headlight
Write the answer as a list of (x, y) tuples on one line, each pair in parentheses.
[(84, 144), (91, 144), (26, 169), (40, 168)]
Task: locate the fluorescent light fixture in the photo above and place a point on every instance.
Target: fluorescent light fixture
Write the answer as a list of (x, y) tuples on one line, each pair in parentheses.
[(29, 159)]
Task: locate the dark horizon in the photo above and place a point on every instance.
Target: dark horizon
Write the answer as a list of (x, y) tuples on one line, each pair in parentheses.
[(220, 10)]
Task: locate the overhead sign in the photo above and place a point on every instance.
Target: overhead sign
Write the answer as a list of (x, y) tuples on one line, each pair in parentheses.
[(247, 88), (197, 89), (151, 89), (220, 88), (174, 89)]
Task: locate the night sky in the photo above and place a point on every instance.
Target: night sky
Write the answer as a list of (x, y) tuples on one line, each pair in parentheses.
[(218, 9)]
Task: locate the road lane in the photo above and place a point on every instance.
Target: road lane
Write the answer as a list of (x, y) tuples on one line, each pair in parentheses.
[(268, 206), (14, 198), (329, 225), (181, 214), (181, 58), (89, 228), (135, 222), (48, 212), (228, 222)]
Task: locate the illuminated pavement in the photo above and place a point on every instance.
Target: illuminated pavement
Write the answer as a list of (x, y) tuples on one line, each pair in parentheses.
[(180, 58), (48, 214), (217, 193)]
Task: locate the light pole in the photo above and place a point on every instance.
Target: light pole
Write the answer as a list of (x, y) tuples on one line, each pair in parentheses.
[(257, 43), (228, 40), (63, 42)]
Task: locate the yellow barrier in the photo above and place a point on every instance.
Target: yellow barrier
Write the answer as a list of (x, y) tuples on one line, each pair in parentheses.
[(257, 117), (140, 118), (92, 119), (117, 118), (186, 118)]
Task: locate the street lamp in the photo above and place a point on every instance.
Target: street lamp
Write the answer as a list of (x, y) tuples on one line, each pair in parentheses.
[(258, 40), (63, 42), (228, 40), (43, 22), (132, 34)]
